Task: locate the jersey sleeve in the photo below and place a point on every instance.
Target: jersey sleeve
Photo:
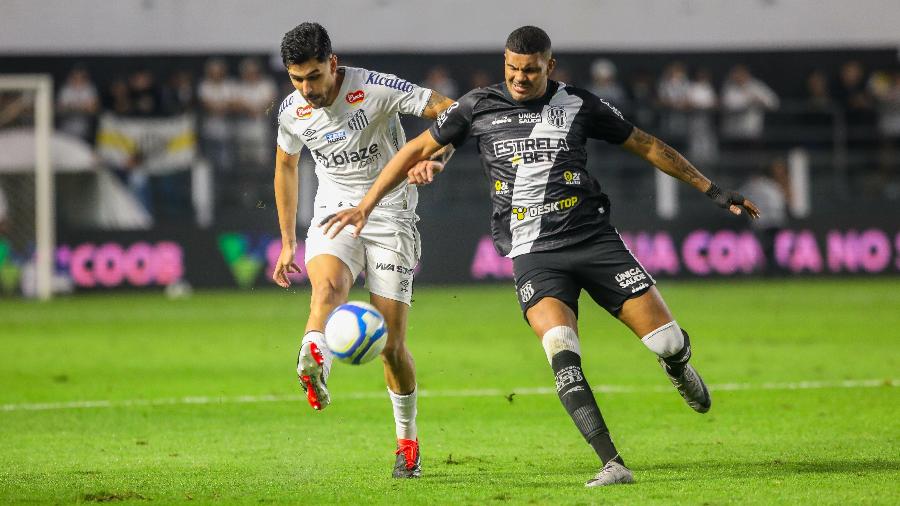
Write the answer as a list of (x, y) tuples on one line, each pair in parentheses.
[(454, 124), (399, 94), (288, 141), (605, 122)]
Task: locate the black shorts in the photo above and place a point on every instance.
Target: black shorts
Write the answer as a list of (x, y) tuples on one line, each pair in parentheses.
[(602, 265)]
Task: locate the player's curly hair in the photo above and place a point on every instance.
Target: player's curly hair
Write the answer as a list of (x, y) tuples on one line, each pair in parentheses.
[(528, 40), (305, 41)]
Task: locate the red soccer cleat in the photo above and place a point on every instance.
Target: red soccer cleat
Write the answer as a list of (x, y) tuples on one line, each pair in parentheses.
[(408, 464), (312, 373)]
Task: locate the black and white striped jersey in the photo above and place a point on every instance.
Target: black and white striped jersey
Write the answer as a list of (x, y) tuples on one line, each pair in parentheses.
[(534, 155)]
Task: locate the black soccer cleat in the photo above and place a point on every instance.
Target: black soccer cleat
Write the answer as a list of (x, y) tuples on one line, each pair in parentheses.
[(408, 464)]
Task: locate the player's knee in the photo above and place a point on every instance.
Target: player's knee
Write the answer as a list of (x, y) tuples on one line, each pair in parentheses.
[(665, 341), (327, 292)]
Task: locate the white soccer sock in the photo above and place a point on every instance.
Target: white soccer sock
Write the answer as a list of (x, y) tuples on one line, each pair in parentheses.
[(319, 338), (559, 339), (405, 414), (666, 340)]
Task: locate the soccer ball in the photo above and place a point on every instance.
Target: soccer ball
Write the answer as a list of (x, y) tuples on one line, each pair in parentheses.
[(355, 332)]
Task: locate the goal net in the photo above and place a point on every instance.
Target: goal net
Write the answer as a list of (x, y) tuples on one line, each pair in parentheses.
[(27, 211)]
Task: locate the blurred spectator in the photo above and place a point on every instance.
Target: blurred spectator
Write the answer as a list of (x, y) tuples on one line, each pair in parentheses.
[(703, 143), (852, 95), (819, 110), (145, 96), (886, 89), (643, 99), (77, 104), (745, 101), (818, 96), (605, 85), (254, 95), (480, 79), (216, 93), (673, 91), (562, 75), (118, 99), (439, 80), (178, 94), (770, 190)]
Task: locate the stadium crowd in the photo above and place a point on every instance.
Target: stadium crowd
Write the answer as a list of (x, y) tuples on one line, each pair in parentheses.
[(735, 124)]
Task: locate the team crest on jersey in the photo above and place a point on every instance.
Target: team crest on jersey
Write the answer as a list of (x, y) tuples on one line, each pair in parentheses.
[(304, 112), (355, 97), (572, 177), (501, 187), (358, 120), (556, 116)]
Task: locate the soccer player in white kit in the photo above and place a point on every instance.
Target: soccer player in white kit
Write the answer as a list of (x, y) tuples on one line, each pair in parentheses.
[(348, 119)]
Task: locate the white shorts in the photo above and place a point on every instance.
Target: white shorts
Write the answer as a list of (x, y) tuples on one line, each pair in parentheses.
[(388, 250)]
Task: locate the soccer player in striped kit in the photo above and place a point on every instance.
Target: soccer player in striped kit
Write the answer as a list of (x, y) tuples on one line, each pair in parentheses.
[(551, 217), (348, 119)]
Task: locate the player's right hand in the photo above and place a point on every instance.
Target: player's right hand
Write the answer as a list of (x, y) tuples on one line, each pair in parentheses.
[(285, 265), (424, 172), (332, 225), (732, 201)]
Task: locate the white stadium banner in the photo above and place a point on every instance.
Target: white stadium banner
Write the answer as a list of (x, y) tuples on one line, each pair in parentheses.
[(156, 145)]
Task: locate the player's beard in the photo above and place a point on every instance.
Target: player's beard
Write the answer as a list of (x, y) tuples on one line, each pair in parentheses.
[(315, 100), (525, 91)]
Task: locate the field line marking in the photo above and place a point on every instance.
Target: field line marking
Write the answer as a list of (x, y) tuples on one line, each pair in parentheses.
[(485, 392)]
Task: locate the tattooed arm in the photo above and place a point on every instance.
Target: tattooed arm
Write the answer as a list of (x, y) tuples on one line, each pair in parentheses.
[(665, 158), (670, 161), (424, 172)]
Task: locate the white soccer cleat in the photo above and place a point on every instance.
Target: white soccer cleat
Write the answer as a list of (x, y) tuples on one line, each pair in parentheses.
[(691, 387), (312, 370), (612, 473)]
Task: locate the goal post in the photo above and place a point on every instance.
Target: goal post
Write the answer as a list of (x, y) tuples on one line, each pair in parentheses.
[(41, 85)]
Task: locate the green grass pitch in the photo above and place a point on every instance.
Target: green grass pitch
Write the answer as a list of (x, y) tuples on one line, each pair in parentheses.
[(197, 401)]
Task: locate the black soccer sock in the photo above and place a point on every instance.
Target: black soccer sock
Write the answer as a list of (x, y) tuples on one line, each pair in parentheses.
[(578, 399), (677, 362)]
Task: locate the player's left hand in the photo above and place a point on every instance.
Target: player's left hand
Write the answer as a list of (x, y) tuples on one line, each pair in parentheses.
[(332, 225), (424, 172), (733, 201)]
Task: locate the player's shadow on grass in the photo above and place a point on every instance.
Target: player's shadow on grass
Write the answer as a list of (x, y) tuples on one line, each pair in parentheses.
[(774, 467)]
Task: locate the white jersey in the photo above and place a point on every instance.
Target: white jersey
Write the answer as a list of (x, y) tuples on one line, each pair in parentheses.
[(354, 138)]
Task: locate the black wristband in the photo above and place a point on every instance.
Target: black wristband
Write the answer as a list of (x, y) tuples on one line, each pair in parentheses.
[(714, 191)]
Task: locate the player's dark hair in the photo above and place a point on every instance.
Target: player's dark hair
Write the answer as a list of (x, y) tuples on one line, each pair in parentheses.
[(528, 40), (305, 41)]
